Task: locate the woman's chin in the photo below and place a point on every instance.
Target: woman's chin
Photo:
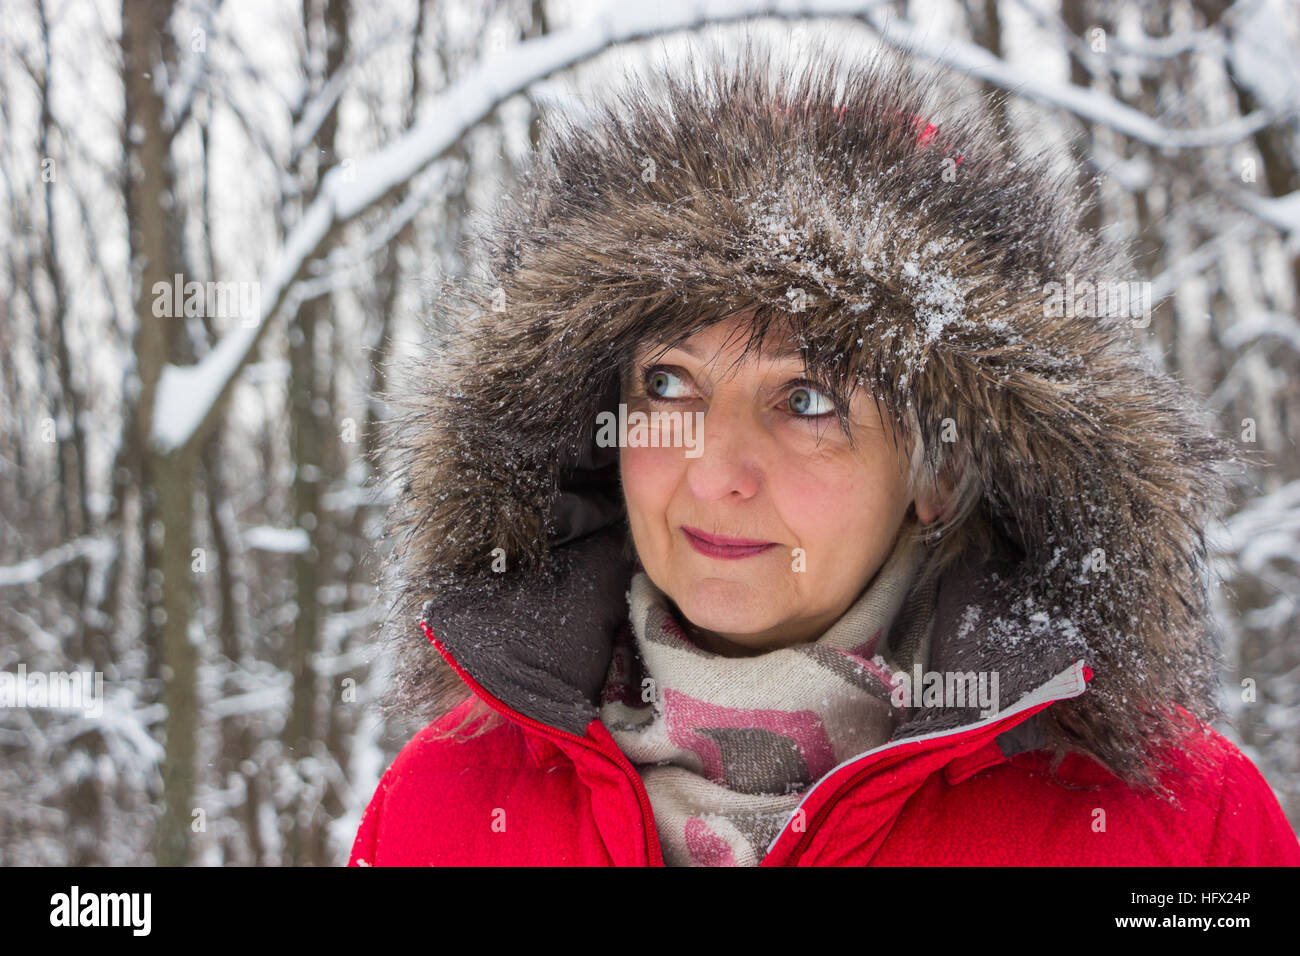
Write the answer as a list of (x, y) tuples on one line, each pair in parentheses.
[(722, 605)]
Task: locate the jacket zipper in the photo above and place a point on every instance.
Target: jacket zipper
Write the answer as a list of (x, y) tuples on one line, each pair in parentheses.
[(871, 758), (650, 832), (653, 851)]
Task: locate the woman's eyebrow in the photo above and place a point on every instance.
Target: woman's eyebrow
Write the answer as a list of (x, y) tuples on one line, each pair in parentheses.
[(789, 352)]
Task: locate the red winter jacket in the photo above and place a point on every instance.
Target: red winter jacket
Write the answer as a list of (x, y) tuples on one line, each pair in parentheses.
[(526, 794)]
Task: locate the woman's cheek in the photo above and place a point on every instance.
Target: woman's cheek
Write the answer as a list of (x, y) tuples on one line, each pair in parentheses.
[(808, 495), (649, 475), (832, 500)]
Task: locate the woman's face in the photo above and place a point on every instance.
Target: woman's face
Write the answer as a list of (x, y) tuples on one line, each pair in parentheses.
[(774, 467)]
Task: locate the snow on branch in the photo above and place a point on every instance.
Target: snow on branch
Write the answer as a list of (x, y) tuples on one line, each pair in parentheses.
[(1264, 530), (179, 98), (1140, 47), (1166, 283), (1256, 324), (188, 398), (1262, 56), (1280, 212), (279, 540), (386, 231), (1091, 105), (98, 550), (321, 105), (122, 722)]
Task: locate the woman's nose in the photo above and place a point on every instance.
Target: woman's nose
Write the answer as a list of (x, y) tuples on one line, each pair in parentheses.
[(730, 449)]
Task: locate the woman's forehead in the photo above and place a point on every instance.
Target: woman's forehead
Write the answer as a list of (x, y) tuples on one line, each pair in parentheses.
[(767, 352), (774, 343)]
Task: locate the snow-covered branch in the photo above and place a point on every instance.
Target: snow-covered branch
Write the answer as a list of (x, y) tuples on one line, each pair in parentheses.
[(1281, 212), (1200, 259), (279, 540), (32, 570), (1262, 56), (1140, 47), (386, 231), (179, 96), (1266, 528), (1260, 324), (318, 108), (1091, 105), (188, 398)]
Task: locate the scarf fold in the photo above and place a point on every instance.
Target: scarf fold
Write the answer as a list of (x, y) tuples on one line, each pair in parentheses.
[(728, 746)]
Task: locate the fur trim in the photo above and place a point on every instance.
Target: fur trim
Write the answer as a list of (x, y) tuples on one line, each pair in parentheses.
[(920, 258)]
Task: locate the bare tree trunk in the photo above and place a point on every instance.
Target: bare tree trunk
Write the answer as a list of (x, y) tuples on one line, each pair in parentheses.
[(1281, 164), (85, 801), (309, 418), (73, 497), (175, 482), (1077, 18), (213, 473), (1147, 245), (165, 481), (986, 29)]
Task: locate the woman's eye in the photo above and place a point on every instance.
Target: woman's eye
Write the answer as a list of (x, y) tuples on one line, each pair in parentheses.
[(659, 383), (804, 401), (809, 403)]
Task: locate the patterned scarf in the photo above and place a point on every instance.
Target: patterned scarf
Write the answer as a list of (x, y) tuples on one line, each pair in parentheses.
[(728, 746)]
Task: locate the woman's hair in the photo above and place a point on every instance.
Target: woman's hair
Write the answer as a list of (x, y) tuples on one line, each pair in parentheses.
[(953, 481)]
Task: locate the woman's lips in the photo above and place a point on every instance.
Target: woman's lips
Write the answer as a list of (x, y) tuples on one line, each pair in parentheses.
[(719, 546)]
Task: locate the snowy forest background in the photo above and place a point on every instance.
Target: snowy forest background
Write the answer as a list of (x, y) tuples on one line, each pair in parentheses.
[(187, 503)]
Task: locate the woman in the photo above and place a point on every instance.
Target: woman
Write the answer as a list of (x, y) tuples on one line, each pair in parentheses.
[(759, 511)]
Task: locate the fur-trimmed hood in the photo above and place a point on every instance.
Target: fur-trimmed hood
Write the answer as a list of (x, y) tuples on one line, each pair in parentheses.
[(875, 210)]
